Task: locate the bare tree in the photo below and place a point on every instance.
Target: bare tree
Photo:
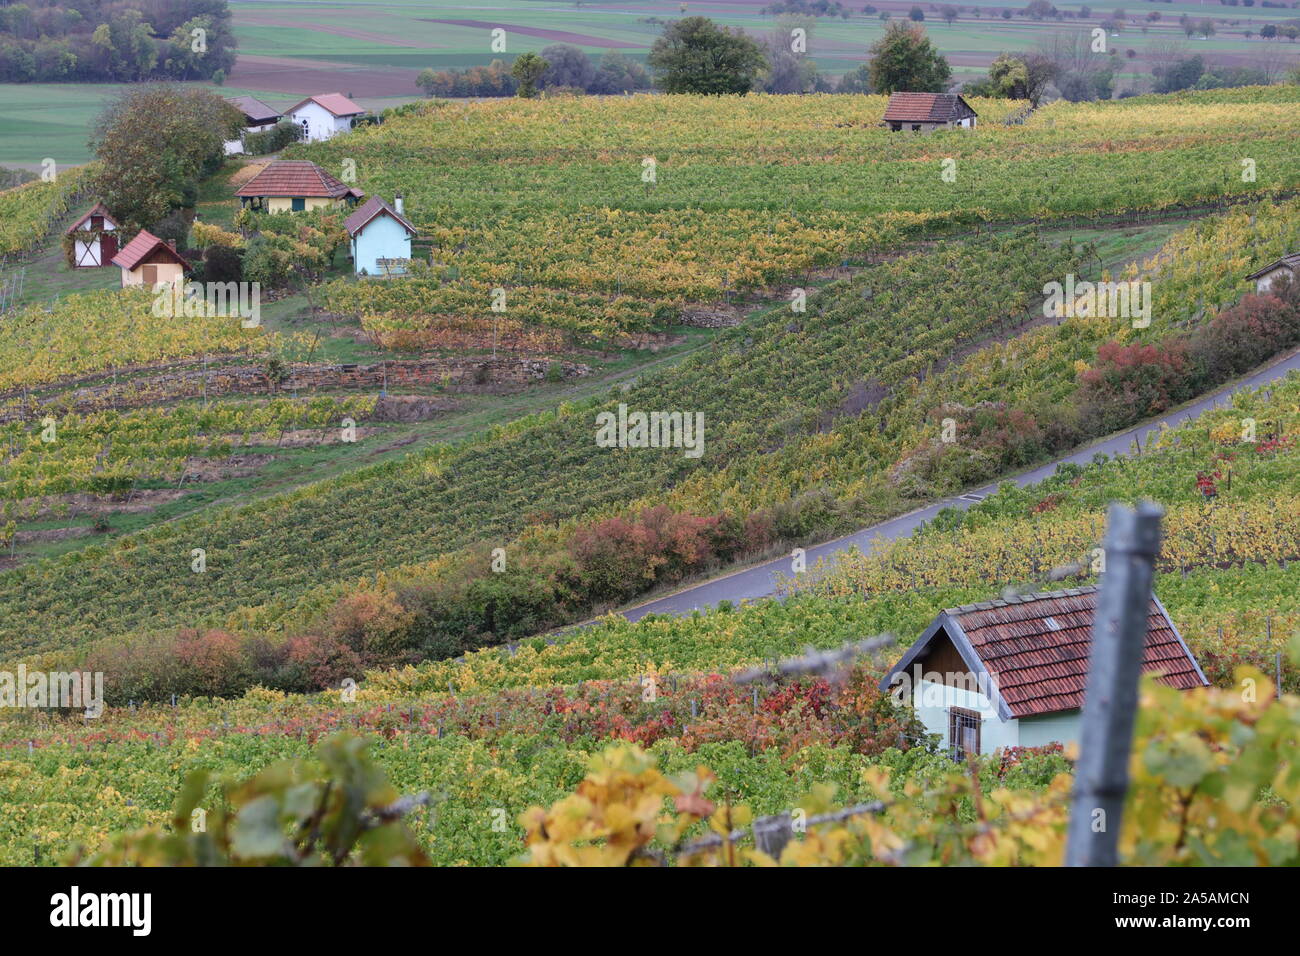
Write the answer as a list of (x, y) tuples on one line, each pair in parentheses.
[(1039, 72), (1162, 54), (1071, 52), (1272, 60)]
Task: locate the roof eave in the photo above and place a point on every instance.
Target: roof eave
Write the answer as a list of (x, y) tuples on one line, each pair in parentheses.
[(950, 625), (1182, 643)]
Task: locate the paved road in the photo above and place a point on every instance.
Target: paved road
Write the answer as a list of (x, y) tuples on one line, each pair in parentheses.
[(761, 580)]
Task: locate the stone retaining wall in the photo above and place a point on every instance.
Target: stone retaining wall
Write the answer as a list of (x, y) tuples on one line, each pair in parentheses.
[(468, 374)]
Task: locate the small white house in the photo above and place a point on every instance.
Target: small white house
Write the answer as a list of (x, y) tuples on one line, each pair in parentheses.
[(381, 237), (258, 118), (94, 242), (985, 677), (926, 112), (325, 115), (1288, 265)]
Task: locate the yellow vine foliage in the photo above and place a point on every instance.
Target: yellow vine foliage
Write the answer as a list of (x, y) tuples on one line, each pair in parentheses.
[(1212, 782)]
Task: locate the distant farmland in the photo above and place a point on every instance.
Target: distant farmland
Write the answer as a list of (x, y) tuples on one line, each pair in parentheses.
[(374, 49), (380, 46)]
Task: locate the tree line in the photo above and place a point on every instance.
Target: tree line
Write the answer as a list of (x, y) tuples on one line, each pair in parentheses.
[(47, 41), (696, 55)]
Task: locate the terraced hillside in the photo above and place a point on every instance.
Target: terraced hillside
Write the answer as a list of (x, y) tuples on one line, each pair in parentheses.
[(504, 730)]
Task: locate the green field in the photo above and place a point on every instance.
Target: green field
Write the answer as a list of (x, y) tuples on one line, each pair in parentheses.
[(374, 50), (55, 119)]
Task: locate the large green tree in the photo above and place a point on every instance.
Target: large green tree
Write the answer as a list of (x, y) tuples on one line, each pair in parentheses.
[(695, 55), (153, 143), (1015, 76), (528, 69), (904, 60)]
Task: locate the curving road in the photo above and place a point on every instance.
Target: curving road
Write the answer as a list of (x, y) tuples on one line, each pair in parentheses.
[(761, 580)]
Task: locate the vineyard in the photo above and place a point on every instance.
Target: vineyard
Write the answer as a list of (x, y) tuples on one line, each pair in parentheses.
[(453, 603), (603, 217), (104, 332), (518, 730), (30, 211), (113, 451), (514, 728), (874, 344), (544, 471)]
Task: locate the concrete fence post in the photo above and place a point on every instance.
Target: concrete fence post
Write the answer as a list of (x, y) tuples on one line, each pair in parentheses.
[(1111, 698)]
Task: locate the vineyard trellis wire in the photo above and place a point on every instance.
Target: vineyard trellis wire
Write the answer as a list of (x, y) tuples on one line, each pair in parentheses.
[(1119, 633)]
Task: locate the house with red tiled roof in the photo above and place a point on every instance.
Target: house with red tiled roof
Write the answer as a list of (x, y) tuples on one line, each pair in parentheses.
[(149, 261), (923, 112), (294, 185), (325, 115), (1011, 673), (93, 238)]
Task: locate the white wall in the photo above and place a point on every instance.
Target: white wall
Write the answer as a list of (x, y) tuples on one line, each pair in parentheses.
[(320, 122), (87, 253), (933, 701), (1265, 282), (382, 238), (1062, 728)]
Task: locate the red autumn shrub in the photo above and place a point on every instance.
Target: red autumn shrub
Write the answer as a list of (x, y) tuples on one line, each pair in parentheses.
[(615, 558), (684, 541), (318, 661), (373, 623), (1132, 382), (213, 663), (618, 558), (760, 531), (1242, 337)]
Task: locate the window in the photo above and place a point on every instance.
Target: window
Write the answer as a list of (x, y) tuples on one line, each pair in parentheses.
[(150, 276), (298, 204), (963, 732)]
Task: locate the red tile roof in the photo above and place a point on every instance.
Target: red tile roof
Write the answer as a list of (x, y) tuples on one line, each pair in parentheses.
[(139, 248), (295, 177), (99, 209), (1036, 648), (372, 207), (336, 103), (927, 108)]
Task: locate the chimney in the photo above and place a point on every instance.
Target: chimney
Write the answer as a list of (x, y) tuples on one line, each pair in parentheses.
[(397, 204), (171, 244)]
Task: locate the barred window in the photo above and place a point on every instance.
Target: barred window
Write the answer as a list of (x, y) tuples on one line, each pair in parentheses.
[(963, 732)]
